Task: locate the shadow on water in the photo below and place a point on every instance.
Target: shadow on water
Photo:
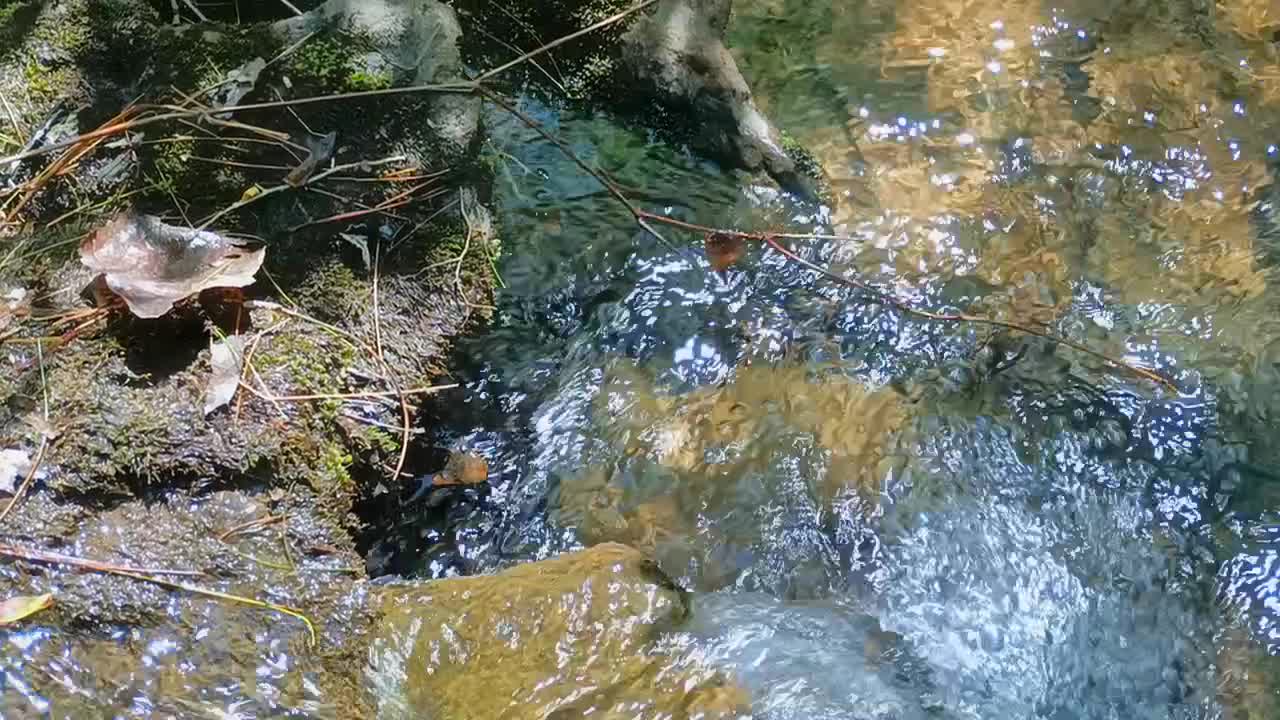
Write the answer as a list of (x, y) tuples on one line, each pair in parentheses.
[(882, 517)]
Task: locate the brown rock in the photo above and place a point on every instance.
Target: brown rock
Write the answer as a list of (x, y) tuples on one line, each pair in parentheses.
[(569, 637)]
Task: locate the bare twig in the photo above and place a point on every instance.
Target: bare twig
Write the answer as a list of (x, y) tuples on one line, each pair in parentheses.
[(13, 116), (377, 316), (887, 299), (239, 599), (52, 558), (293, 8), (192, 7), (348, 396), (250, 525)]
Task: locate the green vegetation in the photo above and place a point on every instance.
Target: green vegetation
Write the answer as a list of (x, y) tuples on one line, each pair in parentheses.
[(335, 62)]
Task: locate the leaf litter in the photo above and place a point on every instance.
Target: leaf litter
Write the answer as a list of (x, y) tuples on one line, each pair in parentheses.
[(21, 607), (227, 358), (151, 265)]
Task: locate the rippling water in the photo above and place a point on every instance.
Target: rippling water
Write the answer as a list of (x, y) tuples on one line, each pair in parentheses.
[(883, 517)]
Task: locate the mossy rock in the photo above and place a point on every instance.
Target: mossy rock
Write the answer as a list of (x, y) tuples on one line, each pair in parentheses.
[(491, 646)]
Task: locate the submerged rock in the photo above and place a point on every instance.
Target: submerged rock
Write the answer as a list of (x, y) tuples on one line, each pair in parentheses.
[(677, 57), (669, 65), (569, 637)]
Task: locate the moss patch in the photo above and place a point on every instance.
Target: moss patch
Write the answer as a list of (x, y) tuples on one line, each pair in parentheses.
[(337, 61)]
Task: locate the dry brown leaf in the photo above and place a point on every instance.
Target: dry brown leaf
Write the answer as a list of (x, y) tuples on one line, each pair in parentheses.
[(19, 607), (152, 265), (463, 469), (724, 250)]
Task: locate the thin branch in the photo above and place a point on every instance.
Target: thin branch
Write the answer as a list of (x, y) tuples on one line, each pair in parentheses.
[(52, 558), (567, 38), (192, 7), (347, 396), (887, 299), (291, 7)]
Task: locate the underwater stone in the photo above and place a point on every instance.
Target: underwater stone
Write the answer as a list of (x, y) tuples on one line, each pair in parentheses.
[(559, 638)]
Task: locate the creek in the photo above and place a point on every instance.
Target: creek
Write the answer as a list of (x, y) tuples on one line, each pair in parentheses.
[(882, 517)]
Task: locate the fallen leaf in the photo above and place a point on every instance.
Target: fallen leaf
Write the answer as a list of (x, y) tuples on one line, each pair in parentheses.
[(463, 469), (361, 243), (20, 607), (227, 359), (12, 304), (14, 464), (152, 265), (250, 193), (724, 250), (238, 83)]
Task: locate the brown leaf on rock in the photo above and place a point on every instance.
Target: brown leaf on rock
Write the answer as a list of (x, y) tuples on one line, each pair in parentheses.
[(724, 250), (20, 607), (152, 265)]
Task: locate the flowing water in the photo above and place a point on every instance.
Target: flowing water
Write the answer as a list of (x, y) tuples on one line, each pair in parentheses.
[(877, 516), (881, 516)]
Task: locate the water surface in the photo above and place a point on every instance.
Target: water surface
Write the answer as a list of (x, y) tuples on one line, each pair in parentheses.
[(883, 517)]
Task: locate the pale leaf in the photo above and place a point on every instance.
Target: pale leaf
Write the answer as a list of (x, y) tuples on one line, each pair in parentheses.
[(227, 359), (20, 607), (152, 265)]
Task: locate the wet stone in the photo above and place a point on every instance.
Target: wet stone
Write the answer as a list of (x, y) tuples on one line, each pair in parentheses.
[(574, 636)]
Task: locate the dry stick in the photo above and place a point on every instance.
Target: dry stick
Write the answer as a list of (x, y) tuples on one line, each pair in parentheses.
[(249, 525), (404, 404), (52, 558), (348, 396), (44, 442), (149, 575), (281, 188), (291, 7), (559, 85), (377, 316), (13, 117), (235, 163), (887, 299), (464, 87), (57, 166), (359, 344), (501, 7), (642, 217), (192, 6), (383, 207)]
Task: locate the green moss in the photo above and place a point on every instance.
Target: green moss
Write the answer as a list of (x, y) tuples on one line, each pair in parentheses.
[(335, 62), (332, 291), (807, 165), (362, 81), (37, 79)]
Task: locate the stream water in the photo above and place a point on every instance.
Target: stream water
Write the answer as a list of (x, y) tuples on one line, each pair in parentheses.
[(883, 517)]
